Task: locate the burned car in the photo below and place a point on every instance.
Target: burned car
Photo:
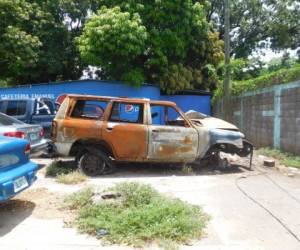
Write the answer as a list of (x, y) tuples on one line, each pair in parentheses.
[(100, 131)]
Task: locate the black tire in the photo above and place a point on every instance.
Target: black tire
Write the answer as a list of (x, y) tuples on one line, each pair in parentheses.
[(101, 163), (92, 164)]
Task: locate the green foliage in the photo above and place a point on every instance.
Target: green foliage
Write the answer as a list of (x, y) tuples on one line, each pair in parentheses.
[(57, 168), (65, 172), (266, 79), (71, 178), (284, 24), (174, 75), (167, 42), (79, 199), (143, 215), (18, 48), (248, 24), (239, 69), (37, 39), (113, 39), (277, 77), (253, 22), (286, 159)]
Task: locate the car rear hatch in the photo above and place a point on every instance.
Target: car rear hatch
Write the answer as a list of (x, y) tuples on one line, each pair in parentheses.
[(13, 153), (16, 171), (32, 133)]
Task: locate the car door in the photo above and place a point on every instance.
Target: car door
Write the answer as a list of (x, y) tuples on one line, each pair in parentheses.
[(126, 132), (85, 120), (171, 137)]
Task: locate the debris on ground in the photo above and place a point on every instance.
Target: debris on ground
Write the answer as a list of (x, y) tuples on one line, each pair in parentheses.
[(269, 163), (108, 197), (101, 232)]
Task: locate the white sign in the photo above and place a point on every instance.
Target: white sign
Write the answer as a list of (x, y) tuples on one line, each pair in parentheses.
[(26, 96)]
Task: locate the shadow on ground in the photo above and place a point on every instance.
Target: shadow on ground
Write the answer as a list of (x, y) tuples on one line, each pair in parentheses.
[(160, 170), (157, 170), (12, 213)]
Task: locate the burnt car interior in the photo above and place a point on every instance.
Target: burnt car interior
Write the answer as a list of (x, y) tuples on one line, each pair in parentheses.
[(168, 116), (127, 112), (89, 109)]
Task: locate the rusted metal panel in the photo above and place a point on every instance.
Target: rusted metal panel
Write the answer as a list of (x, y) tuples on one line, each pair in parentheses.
[(167, 143), (129, 141)]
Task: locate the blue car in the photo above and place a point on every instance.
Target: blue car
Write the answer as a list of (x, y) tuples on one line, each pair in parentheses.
[(17, 172)]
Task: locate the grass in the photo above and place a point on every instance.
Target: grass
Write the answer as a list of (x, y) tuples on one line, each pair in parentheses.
[(286, 159), (65, 173), (141, 216), (188, 170), (79, 199), (71, 178), (57, 168)]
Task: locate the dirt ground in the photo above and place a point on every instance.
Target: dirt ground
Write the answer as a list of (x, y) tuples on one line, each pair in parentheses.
[(256, 209)]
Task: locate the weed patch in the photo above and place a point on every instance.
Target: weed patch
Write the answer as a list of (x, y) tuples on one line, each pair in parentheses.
[(57, 168), (71, 178), (286, 159), (79, 199), (188, 170), (65, 172), (143, 215)]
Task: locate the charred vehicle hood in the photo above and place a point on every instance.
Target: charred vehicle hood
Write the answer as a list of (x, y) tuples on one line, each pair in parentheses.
[(215, 123), (209, 121)]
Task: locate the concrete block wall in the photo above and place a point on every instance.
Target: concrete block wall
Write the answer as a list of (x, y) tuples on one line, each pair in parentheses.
[(268, 117)]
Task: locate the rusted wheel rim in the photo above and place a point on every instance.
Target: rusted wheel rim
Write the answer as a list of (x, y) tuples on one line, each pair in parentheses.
[(92, 164)]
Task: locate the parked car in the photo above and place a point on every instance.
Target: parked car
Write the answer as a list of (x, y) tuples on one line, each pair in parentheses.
[(17, 172), (12, 127), (39, 111), (135, 130)]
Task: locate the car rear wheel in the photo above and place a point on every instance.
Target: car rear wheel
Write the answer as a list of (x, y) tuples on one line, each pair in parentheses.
[(92, 164), (93, 161)]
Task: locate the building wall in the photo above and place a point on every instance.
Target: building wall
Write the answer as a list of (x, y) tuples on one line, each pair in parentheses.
[(88, 87), (268, 117), (107, 88), (190, 102)]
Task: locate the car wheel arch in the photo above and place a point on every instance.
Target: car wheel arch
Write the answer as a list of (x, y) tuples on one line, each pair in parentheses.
[(83, 145)]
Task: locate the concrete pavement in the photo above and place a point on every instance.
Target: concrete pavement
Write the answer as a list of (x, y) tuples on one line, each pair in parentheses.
[(248, 210)]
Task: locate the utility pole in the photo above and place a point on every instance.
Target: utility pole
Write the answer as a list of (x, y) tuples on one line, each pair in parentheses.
[(227, 60)]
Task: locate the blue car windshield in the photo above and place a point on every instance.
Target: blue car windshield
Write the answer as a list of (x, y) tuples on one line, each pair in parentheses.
[(6, 120)]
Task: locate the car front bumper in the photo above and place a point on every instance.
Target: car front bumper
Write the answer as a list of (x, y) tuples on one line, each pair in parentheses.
[(8, 177)]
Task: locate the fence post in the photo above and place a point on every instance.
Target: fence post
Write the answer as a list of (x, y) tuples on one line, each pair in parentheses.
[(241, 115), (277, 117)]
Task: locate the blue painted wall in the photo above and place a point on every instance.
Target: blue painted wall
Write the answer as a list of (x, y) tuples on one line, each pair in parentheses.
[(108, 88), (199, 103)]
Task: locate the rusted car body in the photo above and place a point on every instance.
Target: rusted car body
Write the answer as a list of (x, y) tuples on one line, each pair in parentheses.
[(107, 129)]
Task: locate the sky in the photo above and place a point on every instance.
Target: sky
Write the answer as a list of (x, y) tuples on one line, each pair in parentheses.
[(267, 54)]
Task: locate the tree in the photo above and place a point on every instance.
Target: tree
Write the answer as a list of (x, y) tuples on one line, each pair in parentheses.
[(248, 24), (59, 23), (255, 21), (167, 42), (113, 39), (284, 24), (18, 48), (37, 39)]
